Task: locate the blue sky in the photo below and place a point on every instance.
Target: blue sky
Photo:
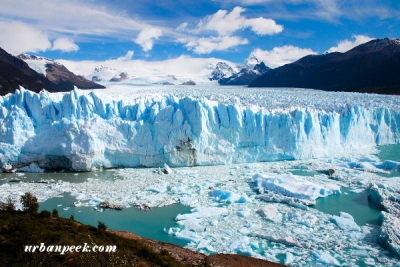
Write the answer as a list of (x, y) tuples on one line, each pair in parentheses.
[(277, 32)]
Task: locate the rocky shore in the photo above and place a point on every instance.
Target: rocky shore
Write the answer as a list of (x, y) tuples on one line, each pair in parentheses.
[(192, 258)]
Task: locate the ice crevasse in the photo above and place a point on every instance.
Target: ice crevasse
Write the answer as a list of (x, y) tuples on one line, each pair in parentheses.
[(81, 131)]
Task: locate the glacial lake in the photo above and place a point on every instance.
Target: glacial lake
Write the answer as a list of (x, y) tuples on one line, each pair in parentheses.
[(155, 224), (148, 224)]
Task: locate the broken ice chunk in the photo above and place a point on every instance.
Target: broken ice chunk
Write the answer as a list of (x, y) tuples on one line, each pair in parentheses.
[(203, 212), (270, 213), (325, 258), (345, 221), (167, 169), (229, 197), (243, 212), (160, 187), (293, 186), (304, 218)]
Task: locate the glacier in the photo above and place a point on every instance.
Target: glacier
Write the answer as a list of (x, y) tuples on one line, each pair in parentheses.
[(147, 127)]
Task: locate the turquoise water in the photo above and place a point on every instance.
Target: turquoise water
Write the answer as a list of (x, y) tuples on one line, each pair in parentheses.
[(389, 152), (356, 204), (148, 224), (151, 224), (304, 173), (71, 177)]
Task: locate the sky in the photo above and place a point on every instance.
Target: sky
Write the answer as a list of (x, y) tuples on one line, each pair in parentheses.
[(147, 31)]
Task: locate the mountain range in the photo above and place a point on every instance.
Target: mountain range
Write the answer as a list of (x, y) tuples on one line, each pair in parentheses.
[(37, 74), (372, 67), (240, 75)]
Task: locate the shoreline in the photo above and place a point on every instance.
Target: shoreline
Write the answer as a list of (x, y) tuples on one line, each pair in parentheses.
[(193, 258)]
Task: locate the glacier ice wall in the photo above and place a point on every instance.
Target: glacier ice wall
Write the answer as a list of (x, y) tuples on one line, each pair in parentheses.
[(80, 130)]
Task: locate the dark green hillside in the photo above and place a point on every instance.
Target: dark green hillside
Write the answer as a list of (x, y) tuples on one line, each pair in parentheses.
[(18, 229)]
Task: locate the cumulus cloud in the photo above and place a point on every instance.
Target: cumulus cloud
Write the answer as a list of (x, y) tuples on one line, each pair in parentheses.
[(146, 38), (279, 56), (226, 23), (65, 45), (346, 45), (127, 57), (207, 45), (17, 37)]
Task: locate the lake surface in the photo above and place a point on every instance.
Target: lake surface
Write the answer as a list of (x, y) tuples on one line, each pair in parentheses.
[(389, 152), (148, 224), (199, 183), (356, 204)]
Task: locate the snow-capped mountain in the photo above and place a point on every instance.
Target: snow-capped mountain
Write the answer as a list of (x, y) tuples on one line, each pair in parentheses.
[(122, 76), (37, 63), (104, 74), (222, 70), (57, 73), (37, 73), (251, 69), (250, 63)]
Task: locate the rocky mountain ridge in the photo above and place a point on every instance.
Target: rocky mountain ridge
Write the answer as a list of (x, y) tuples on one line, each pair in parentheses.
[(58, 73), (239, 75), (52, 76), (372, 67)]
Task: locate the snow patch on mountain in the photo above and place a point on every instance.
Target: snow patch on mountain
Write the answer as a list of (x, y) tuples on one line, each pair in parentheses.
[(222, 70), (103, 74), (37, 63)]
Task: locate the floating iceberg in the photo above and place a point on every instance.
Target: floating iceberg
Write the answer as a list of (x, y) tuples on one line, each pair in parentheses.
[(302, 237), (345, 221), (295, 187), (229, 197), (270, 213)]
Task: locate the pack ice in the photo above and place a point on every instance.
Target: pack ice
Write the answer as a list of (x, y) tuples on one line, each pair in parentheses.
[(128, 127), (257, 209)]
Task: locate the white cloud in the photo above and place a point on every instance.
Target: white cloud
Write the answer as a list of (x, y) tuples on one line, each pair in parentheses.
[(207, 45), (17, 37), (346, 45), (65, 45), (227, 23), (262, 26), (279, 56), (80, 18), (182, 27), (127, 57), (146, 38)]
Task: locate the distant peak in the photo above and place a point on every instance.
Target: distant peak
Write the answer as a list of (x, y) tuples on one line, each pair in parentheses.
[(376, 45), (251, 62), (33, 57)]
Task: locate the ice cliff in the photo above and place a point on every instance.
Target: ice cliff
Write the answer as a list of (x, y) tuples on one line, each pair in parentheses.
[(82, 130)]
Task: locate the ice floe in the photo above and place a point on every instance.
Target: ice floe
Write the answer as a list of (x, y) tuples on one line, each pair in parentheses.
[(345, 221), (284, 229)]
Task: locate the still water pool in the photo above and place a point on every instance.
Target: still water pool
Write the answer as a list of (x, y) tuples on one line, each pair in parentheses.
[(355, 204), (148, 224)]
